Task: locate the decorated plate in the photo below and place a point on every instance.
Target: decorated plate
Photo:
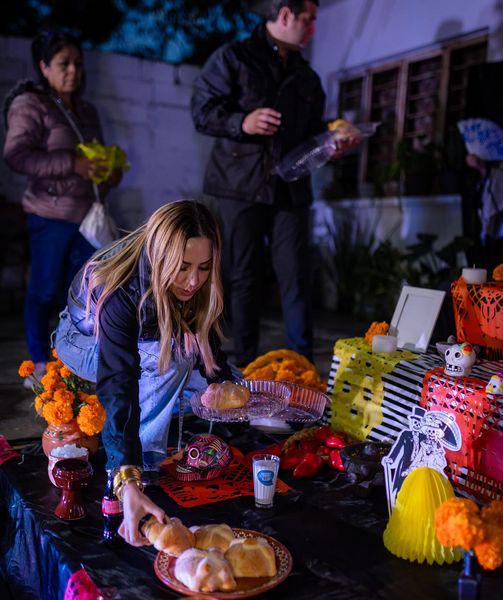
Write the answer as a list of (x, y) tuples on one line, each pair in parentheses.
[(247, 587)]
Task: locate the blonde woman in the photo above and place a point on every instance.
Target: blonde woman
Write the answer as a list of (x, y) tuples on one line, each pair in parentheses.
[(141, 315)]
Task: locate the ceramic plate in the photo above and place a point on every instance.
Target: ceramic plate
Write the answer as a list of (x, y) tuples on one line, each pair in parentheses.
[(247, 587)]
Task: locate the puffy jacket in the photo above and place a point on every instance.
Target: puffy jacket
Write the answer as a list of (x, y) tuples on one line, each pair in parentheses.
[(40, 143), (237, 79)]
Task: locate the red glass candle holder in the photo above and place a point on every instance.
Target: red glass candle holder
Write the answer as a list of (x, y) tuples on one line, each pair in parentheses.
[(72, 476)]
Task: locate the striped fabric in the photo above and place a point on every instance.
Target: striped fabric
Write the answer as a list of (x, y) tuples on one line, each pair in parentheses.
[(402, 391)]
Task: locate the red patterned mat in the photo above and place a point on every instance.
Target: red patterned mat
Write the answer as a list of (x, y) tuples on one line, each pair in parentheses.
[(236, 481)]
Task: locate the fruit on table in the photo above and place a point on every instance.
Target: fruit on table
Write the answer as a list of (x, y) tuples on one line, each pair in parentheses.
[(336, 460), (334, 441)]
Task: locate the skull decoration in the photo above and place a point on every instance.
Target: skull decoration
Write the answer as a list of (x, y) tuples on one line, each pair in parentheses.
[(495, 385), (459, 360)]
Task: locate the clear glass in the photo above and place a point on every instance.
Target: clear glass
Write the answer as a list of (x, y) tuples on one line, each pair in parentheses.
[(265, 475)]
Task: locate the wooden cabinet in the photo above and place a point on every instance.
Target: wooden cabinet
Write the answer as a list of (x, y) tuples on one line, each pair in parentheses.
[(418, 100)]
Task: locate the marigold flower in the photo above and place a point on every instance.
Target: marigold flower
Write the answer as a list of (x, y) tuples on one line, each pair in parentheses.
[(65, 372), (458, 523), (490, 552), (26, 368), (376, 328), (91, 418), (52, 382), (57, 413), (55, 354), (64, 396), (38, 403), (52, 367)]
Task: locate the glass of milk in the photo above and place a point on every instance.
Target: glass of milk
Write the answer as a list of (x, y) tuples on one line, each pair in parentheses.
[(265, 474)]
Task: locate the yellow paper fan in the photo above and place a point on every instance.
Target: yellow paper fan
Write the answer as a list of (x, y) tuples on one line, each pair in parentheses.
[(410, 533)]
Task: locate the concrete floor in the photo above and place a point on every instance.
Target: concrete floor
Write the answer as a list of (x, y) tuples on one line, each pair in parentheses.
[(17, 414)]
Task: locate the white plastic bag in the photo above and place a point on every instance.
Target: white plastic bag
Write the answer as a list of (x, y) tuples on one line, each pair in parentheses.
[(98, 226)]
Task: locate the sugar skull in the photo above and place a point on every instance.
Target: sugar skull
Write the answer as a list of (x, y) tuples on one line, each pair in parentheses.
[(495, 385), (459, 360), (204, 458)]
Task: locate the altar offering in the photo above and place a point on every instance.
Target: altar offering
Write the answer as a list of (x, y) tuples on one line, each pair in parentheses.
[(67, 451), (265, 474), (72, 476), (384, 343), (253, 564), (474, 276)]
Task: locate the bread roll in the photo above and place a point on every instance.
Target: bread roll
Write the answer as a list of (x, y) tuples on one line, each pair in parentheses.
[(171, 537), (251, 557), (213, 536), (204, 571), (226, 395)]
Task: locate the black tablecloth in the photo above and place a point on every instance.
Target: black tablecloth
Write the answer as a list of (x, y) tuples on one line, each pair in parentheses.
[(333, 530)]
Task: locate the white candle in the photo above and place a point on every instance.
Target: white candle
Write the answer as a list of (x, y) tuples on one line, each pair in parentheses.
[(384, 343), (474, 275)]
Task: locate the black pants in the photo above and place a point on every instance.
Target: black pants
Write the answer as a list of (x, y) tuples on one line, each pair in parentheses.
[(246, 227)]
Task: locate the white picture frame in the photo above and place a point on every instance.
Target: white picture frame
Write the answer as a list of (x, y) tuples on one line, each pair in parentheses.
[(415, 316)]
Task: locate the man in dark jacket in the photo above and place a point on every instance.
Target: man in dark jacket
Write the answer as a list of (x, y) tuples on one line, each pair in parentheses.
[(260, 99)]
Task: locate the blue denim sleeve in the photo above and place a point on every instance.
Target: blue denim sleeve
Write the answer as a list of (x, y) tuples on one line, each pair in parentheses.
[(117, 381)]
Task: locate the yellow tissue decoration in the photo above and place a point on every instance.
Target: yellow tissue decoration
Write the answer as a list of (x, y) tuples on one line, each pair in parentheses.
[(411, 533), (111, 157)]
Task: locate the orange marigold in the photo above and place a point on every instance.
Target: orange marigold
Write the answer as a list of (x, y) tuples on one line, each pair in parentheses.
[(26, 368), (64, 396), (65, 371), (458, 523), (490, 551), (38, 404), (52, 367), (376, 328), (52, 382), (91, 418), (55, 354), (56, 413)]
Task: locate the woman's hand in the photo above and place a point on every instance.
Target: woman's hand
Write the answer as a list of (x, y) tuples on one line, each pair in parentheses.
[(136, 506), (87, 168)]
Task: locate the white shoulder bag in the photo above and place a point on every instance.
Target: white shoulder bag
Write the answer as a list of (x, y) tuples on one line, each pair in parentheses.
[(97, 227)]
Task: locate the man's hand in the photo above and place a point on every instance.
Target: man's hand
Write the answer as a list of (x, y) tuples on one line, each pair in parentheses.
[(344, 145), (262, 121)]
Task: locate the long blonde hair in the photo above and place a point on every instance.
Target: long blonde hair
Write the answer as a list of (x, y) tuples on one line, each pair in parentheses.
[(163, 238)]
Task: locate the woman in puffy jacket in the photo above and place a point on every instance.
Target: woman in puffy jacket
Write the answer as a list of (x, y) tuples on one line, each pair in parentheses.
[(45, 122)]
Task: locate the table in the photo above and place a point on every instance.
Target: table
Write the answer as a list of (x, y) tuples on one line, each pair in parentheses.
[(333, 530)]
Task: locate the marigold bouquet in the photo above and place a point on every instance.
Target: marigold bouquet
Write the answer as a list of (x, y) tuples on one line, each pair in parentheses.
[(376, 328), (460, 522), (61, 396), (285, 365)]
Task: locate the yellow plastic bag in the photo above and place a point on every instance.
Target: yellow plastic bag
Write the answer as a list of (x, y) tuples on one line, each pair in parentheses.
[(111, 157)]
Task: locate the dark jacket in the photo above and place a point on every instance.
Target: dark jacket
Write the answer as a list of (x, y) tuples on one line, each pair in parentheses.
[(119, 361), (41, 143), (237, 79)]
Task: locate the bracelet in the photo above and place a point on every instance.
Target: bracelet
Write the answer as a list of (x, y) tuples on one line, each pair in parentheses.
[(126, 474)]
